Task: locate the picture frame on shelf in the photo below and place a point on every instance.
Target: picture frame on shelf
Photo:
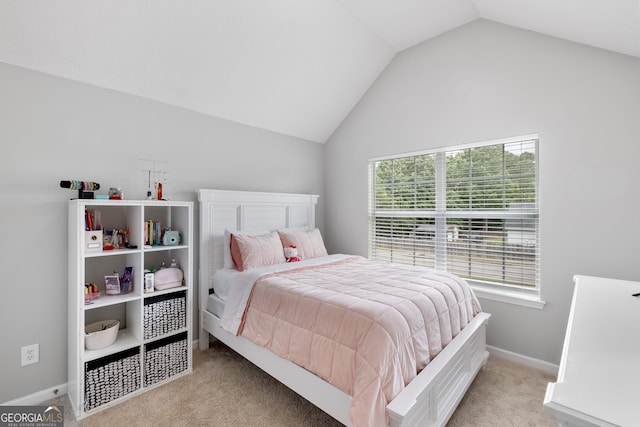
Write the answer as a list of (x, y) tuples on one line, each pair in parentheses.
[(112, 284)]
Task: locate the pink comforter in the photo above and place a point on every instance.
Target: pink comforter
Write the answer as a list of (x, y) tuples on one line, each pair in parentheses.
[(365, 327)]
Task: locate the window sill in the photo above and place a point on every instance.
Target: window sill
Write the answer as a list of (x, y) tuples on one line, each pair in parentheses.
[(525, 299)]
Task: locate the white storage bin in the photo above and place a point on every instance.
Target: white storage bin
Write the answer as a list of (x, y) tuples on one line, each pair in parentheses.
[(101, 334)]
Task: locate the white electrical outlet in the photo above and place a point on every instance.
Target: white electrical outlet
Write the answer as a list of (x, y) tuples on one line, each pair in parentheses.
[(30, 354)]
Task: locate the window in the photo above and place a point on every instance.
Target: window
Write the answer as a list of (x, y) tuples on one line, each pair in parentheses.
[(471, 211)]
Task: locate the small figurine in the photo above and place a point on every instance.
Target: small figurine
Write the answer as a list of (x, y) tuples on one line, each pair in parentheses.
[(291, 254)]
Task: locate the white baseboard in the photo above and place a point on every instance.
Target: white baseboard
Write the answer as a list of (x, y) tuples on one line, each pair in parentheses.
[(50, 393), (60, 390), (547, 367), (39, 396)]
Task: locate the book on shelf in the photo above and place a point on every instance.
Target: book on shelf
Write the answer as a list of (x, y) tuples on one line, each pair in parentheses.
[(92, 220), (152, 232)]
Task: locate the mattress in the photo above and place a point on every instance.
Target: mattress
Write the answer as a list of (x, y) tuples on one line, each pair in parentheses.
[(222, 282), (215, 305)]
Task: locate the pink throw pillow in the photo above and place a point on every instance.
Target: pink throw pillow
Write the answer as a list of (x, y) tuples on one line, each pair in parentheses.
[(248, 251), (309, 243)]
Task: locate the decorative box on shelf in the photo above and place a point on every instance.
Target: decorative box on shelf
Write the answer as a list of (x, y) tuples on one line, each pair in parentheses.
[(93, 241)]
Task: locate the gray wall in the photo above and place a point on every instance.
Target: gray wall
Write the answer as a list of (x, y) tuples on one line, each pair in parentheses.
[(53, 129), (486, 81)]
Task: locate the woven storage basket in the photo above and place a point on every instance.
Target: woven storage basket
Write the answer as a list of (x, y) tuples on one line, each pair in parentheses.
[(165, 358), (164, 314), (111, 377)]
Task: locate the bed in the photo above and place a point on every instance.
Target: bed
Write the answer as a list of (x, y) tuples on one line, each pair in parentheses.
[(427, 398)]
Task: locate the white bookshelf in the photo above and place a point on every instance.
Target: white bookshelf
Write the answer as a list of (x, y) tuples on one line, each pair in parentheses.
[(134, 363)]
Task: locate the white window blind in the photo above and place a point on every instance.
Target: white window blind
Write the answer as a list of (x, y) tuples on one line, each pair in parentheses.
[(472, 211)]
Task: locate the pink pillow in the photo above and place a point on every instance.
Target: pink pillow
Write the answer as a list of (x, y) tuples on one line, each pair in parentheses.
[(248, 251), (236, 256), (309, 243)]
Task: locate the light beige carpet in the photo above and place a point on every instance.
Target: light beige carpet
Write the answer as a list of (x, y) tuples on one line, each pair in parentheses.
[(226, 390)]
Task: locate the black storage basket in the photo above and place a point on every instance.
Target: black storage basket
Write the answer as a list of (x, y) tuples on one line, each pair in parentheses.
[(164, 314), (165, 358), (111, 377)]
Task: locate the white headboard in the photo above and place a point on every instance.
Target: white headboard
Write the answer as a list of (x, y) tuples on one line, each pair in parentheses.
[(245, 211)]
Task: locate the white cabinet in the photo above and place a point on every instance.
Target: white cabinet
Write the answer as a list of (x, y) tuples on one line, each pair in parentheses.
[(154, 340), (598, 377)]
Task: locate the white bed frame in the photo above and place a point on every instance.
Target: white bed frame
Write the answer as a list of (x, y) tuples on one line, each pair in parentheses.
[(429, 400)]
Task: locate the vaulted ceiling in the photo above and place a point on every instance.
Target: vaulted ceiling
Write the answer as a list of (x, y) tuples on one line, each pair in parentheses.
[(289, 66)]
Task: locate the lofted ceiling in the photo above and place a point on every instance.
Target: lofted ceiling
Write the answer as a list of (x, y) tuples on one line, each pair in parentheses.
[(288, 66)]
